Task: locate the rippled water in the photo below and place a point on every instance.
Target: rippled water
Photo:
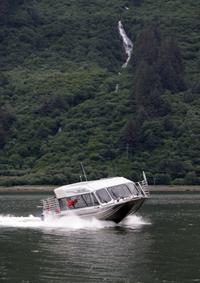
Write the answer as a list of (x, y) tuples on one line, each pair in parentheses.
[(159, 244)]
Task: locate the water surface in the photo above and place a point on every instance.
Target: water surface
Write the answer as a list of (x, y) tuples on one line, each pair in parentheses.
[(158, 244)]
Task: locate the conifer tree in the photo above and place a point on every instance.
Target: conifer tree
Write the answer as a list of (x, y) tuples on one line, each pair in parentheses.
[(147, 46), (147, 88), (170, 66)]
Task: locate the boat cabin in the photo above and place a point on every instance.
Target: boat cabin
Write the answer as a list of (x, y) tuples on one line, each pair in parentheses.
[(93, 193)]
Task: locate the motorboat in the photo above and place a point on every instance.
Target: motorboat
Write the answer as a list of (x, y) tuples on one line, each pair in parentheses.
[(109, 199)]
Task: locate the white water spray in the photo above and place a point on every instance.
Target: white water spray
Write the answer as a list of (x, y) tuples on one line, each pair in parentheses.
[(127, 43), (134, 221), (71, 222), (67, 223)]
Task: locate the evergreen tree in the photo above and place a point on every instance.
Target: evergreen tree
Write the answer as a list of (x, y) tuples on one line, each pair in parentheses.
[(129, 136), (141, 116), (4, 10), (6, 6), (6, 120), (170, 66), (2, 137), (147, 88), (137, 2), (147, 46)]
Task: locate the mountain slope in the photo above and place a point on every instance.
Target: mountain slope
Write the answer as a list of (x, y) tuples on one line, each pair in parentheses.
[(60, 64)]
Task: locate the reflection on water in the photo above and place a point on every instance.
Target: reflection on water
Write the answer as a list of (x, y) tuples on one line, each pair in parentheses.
[(159, 244)]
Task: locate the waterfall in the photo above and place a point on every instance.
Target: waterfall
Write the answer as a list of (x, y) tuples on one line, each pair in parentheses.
[(117, 88), (127, 43)]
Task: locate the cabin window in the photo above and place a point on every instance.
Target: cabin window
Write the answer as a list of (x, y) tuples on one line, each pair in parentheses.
[(78, 201), (103, 196), (95, 201), (90, 199), (133, 189), (68, 203), (120, 191), (63, 204)]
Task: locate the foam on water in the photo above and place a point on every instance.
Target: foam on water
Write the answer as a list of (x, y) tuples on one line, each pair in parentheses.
[(67, 223), (134, 221), (20, 221)]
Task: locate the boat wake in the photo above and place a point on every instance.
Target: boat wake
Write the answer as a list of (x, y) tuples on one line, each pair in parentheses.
[(67, 223), (20, 221)]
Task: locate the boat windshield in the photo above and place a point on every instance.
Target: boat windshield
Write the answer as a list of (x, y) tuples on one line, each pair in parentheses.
[(103, 196), (78, 201), (134, 190), (120, 191)]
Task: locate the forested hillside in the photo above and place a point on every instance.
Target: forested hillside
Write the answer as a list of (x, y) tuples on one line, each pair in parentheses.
[(65, 98)]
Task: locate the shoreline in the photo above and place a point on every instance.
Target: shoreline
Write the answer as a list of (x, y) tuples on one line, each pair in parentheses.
[(27, 189), (174, 188), (49, 189)]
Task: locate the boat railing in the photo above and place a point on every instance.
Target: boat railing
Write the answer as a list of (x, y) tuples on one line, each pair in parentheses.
[(51, 205), (143, 185)]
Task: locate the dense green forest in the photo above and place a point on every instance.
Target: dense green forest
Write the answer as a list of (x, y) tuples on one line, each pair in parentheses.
[(65, 98)]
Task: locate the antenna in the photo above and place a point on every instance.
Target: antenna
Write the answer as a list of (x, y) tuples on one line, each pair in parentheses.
[(144, 176), (83, 170)]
